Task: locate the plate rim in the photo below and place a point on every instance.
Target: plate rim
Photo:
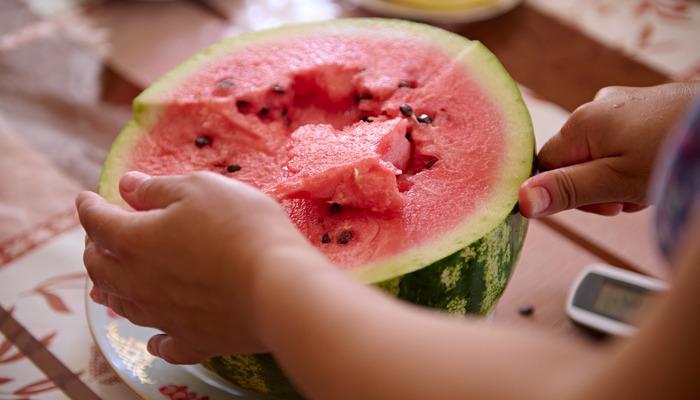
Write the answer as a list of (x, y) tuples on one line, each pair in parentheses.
[(473, 14), (91, 329), (224, 389)]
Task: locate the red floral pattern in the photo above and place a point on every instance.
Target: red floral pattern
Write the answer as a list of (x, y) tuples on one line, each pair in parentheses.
[(100, 369), (180, 392), (7, 356), (34, 388), (18, 246), (29, 390), (47, 289), (9, 353), (660, 33), (665, 9)]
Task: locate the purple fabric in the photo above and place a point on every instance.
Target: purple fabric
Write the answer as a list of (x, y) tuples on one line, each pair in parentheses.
[(677, 182)]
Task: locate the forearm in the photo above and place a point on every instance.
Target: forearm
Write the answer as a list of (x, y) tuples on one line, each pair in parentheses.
[(661, 362), (339, 339)]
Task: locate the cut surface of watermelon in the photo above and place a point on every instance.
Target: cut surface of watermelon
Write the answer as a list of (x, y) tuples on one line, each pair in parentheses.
[(396, 148), (411, 186), (354, 167)]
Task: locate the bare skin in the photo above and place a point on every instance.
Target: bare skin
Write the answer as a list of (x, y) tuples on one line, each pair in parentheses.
[(602, 158), (202, 248)]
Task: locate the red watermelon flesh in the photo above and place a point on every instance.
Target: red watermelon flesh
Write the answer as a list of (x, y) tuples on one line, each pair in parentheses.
[(270, 110), (354, 167)]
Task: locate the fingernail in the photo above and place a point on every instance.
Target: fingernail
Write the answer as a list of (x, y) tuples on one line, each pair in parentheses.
[(539, 199), (96, 295), (152, 347), (80, 198), (153, 344), (131, 180)]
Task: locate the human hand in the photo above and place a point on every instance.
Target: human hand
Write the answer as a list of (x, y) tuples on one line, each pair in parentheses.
[(185, 261), (601, 159)]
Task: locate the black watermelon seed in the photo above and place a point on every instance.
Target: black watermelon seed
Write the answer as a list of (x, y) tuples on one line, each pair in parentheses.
[(335, 208), (345, 237), (365, 96), (201, 141), (326, 238), (429, 164), (366, 118), (278, 89), (406, 110), (409, 137), (425, 119), (516, 208), (264, 112), (233, 168), (526, 310), (242, 105), (404, 84)]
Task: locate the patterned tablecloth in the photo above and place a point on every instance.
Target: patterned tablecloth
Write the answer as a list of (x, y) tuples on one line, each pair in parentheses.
[(60, 109)]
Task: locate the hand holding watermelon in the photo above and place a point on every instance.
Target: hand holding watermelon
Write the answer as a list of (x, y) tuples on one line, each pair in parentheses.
[(188, 257), (601, 159)]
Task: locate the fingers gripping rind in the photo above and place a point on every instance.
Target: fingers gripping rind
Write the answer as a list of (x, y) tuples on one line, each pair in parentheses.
[(106, 224), (128, 310), (106, 272), (570, 145), (122, 307), (578, 185), (144, 192)]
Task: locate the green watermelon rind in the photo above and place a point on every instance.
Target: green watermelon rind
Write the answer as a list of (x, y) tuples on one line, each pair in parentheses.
[(477, 59), (469, 281)]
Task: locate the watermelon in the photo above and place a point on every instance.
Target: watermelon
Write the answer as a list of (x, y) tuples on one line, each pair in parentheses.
[(396, 148)]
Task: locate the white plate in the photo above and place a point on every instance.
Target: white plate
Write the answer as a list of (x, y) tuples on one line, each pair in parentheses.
[(439, 17), (123, 345)]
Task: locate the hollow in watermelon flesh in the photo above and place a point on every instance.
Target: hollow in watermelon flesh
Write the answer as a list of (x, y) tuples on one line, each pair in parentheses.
[(396, 148)]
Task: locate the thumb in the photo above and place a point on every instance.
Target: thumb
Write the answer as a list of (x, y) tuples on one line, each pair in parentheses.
[(578, 185), (144, 192), (174, 350)]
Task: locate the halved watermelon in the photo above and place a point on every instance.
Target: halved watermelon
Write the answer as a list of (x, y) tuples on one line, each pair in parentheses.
[(396, 148)]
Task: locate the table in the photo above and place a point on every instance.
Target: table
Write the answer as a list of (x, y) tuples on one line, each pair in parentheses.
[(85, 60)]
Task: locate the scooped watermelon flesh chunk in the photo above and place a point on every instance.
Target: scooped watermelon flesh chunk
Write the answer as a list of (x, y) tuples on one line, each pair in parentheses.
[(356, 166)]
